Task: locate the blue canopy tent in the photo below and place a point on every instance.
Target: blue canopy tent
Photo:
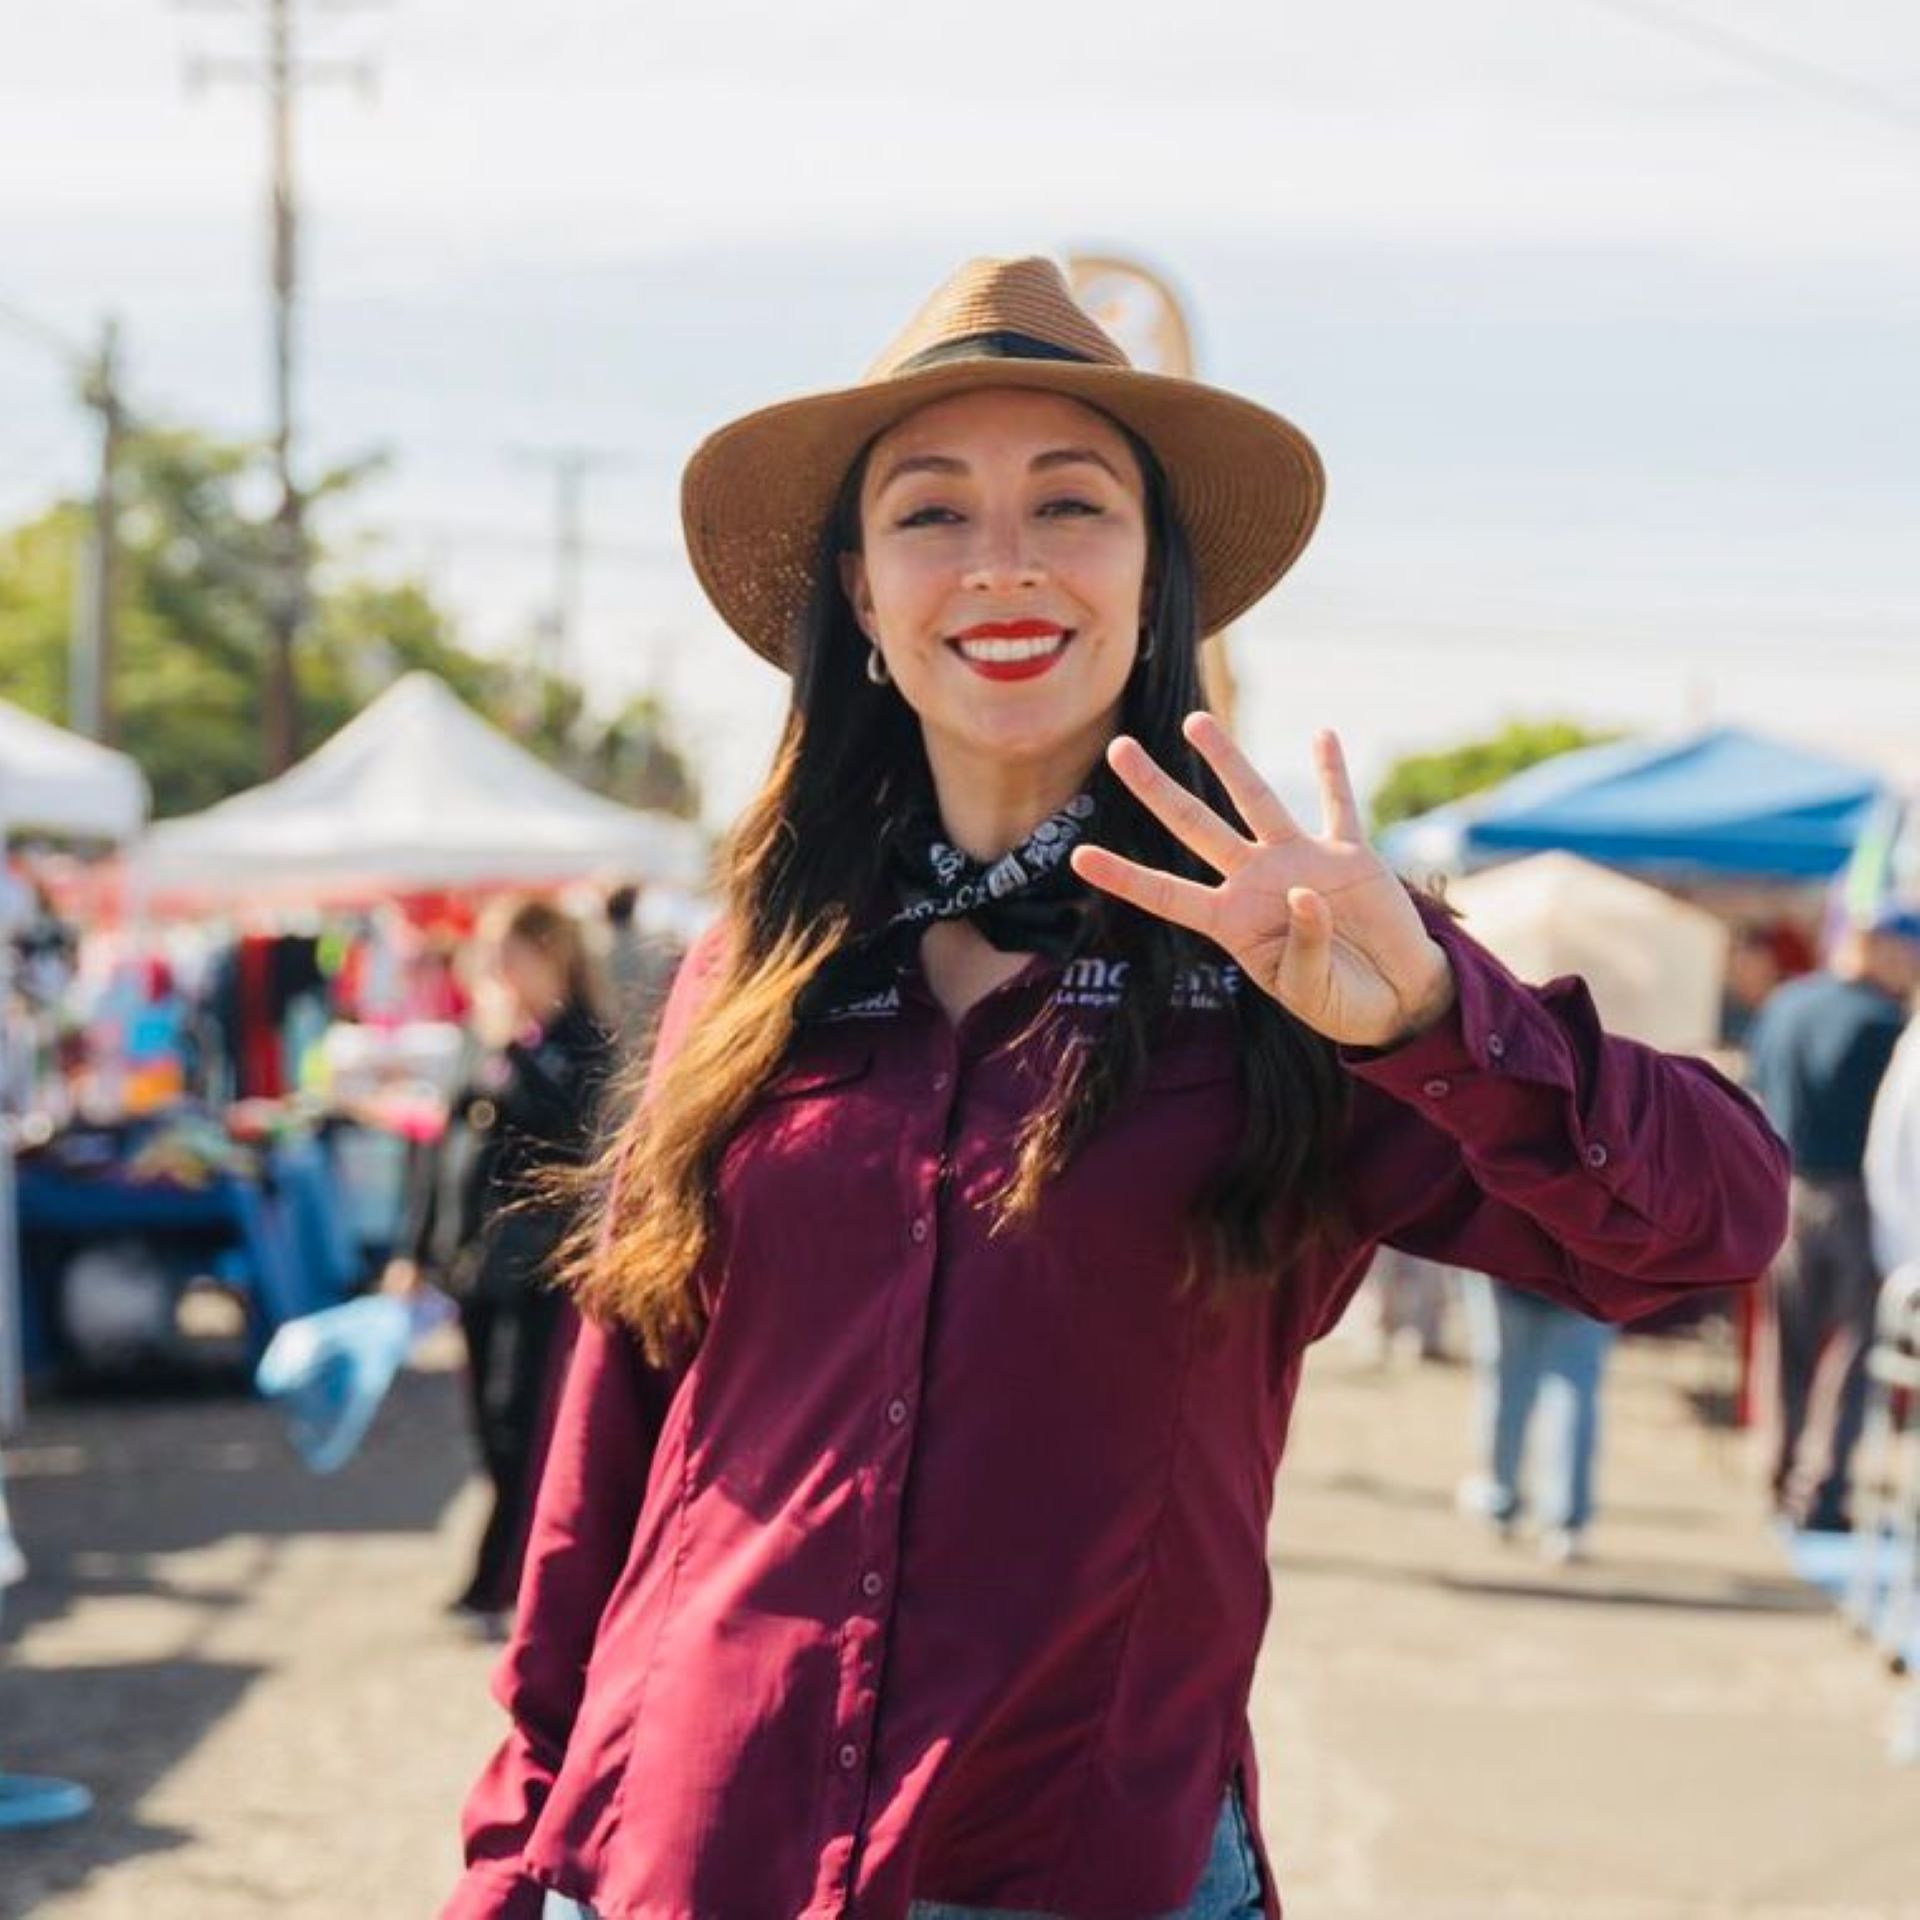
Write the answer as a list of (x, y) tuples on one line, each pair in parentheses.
[(1720, 804)]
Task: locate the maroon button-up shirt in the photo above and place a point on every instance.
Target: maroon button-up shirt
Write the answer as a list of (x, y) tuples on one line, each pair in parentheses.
[(941, 1569)]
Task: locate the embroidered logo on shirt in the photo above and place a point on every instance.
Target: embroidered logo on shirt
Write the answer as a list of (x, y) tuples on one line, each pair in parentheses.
[(1091, 981), (876, 1006)]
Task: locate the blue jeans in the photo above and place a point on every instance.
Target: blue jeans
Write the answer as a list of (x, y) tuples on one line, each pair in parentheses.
[(1529, 1346), (1229, 1888)]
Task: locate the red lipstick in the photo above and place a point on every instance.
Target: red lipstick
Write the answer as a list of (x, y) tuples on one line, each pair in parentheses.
[(1027, 665), (1012, 630)]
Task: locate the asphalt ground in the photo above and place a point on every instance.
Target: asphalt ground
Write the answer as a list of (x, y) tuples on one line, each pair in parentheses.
[(250, 1668)]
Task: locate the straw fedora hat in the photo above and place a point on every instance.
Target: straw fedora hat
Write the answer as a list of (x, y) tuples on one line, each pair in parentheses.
[(755, 499)]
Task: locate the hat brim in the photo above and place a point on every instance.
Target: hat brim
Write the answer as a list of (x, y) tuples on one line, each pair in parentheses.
[(1247, 485)]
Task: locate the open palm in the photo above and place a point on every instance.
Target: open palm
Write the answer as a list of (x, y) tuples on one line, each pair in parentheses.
[(1319, 921)]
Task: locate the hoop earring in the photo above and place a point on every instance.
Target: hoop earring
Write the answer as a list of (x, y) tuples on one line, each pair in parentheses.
[(877, 668), (1146, 647)]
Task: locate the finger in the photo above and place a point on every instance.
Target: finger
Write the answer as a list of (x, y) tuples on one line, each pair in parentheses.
[(1181, 811), (1260, 807), (1185, 902), (1340, 811), (1306, 964)]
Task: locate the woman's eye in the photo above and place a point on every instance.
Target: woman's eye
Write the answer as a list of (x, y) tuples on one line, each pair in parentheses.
[(1069, 509), (929, 517)]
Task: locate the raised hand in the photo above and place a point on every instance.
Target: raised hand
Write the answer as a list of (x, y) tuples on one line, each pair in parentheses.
[(1319, 921)]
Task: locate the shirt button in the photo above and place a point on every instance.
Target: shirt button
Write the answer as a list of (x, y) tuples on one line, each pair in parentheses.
[(918, 1231), (1597, 1155), (1496, 1046), (896, 1412), (849, 1756), (870, 1584), (1437, 1089)]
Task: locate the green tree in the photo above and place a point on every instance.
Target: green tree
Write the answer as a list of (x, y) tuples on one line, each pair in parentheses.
[(1422, 781), (194, 567), (634, 758), (189, 566)]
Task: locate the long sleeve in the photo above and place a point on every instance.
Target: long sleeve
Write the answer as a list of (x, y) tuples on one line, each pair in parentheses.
[(1518, 1139), (597, 1465)]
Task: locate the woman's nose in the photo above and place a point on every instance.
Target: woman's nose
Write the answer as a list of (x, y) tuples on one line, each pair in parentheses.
[(1002, 559)]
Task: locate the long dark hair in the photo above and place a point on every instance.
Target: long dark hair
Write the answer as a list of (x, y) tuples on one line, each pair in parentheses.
[(806, 863)]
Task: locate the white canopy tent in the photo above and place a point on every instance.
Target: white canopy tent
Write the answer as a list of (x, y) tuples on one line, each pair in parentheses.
[(1656, 965), (51, 782), (416, 794)]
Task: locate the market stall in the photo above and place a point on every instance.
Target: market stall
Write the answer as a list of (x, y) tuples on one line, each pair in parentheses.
[(54, 783), (417, 800)]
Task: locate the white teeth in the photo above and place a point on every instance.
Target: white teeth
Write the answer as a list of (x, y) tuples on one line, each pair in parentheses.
[(1037, 648)]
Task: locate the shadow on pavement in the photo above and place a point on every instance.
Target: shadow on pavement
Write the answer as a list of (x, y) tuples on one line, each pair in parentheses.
[(1602, 1587), (105, 1494), (1400, 1493), (1617, 1583), (117, 1730), (100, 1489)]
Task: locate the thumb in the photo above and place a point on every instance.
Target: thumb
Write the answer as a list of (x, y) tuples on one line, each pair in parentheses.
[(1306, 964)]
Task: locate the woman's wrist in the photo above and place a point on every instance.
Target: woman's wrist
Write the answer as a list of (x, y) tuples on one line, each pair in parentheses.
[(1430, 1003)]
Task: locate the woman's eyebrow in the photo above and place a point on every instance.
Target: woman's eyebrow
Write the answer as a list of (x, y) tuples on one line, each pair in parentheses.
[(1073, 456), (949, 464), (920, 463)]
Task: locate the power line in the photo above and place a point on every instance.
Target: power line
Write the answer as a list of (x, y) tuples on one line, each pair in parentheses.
[(1777, 63), (641, 556), (31, 327)]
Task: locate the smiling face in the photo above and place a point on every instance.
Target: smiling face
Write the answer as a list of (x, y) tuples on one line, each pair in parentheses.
[(1002, 576)]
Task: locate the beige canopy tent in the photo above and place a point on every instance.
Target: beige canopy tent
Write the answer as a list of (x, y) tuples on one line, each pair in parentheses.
[(1656, 965)]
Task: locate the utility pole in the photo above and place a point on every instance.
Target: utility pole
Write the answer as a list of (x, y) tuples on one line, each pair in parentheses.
[(560, 626), (93, 671), (282, 72), (91, 649)]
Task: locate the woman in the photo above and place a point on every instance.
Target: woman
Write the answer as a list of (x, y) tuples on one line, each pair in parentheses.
[(1038, 1100), (489, 1225)]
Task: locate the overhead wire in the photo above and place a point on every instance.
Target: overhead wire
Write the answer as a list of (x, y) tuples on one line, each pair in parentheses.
[(1780, 64)]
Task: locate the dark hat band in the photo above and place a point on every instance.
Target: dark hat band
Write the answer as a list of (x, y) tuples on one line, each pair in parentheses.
[(998, 345)]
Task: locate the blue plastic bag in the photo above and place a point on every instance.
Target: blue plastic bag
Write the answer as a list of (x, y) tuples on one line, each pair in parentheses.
[(329, 1371)]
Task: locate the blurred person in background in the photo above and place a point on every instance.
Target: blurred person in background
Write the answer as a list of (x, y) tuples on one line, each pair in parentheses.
[(1816, 1057), (1754, 969), (487, 1219), (1039, 1098), (1529, 1350), (1402, 1309)]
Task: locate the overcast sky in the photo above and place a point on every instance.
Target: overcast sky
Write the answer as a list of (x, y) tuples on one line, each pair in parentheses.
[(1607, 330)]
